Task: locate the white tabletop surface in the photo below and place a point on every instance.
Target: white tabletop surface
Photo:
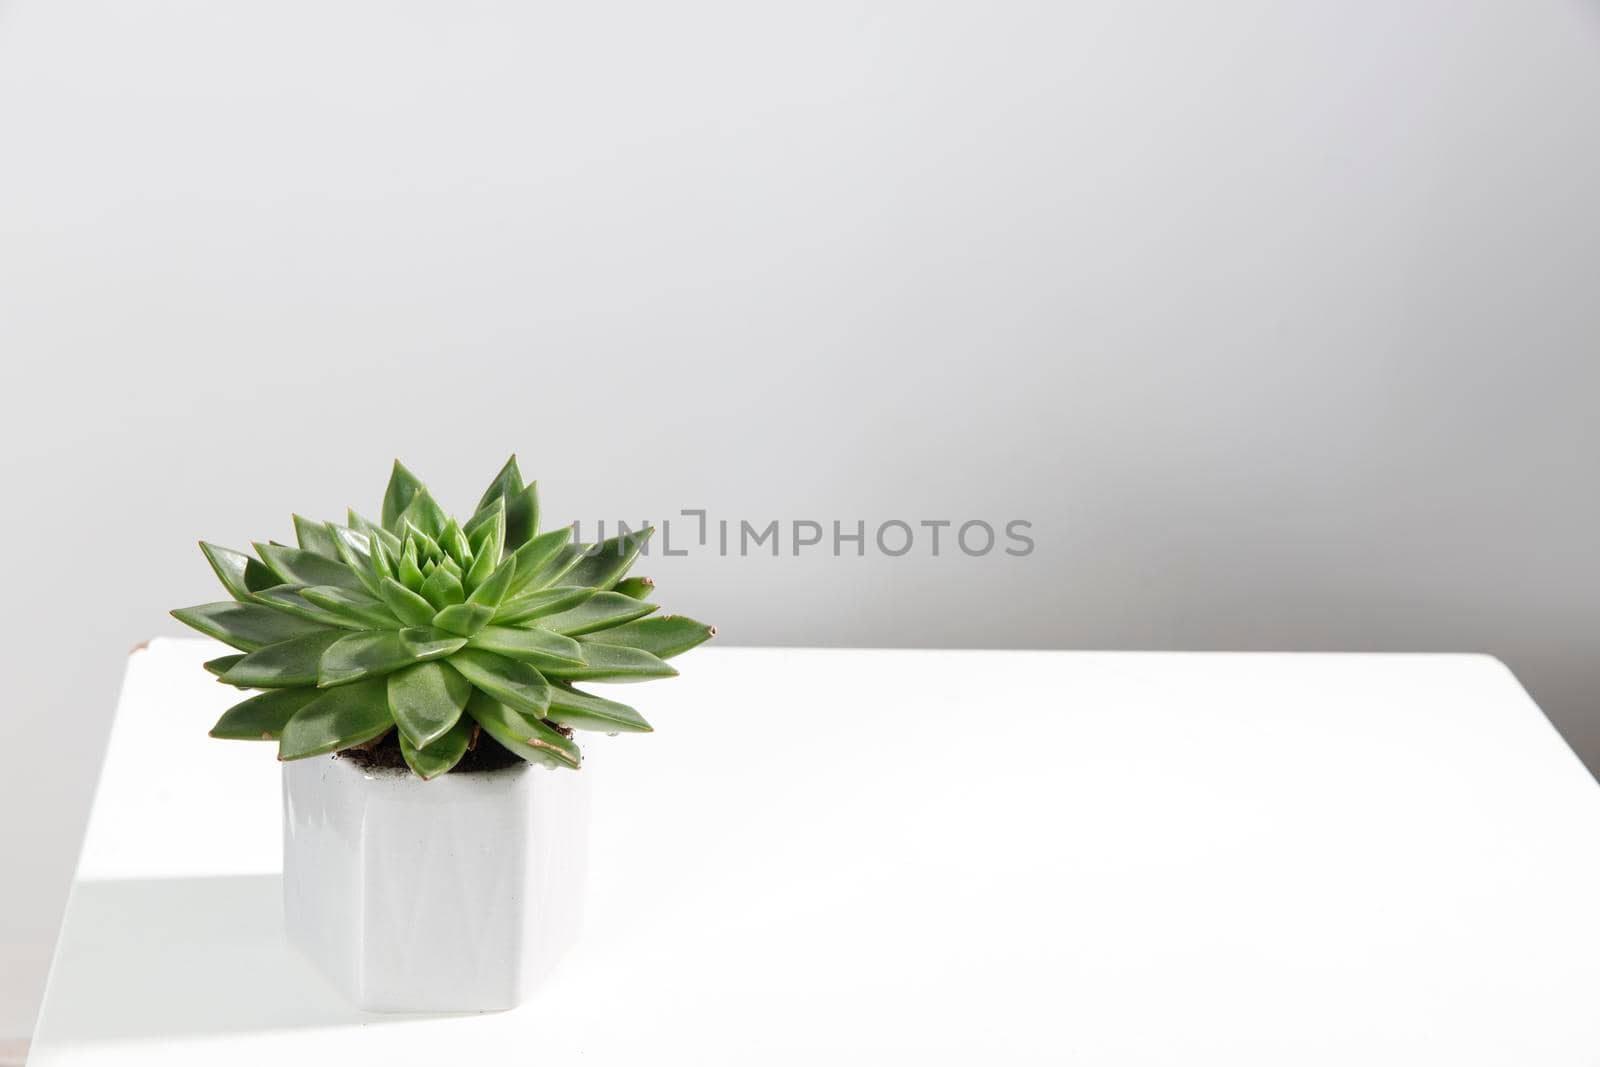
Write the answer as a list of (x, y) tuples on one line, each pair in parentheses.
[(827, 856)]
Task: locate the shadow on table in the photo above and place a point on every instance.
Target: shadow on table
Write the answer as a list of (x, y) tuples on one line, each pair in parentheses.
[(164, 957)]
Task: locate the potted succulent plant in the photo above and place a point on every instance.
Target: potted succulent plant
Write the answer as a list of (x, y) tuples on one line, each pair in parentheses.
[(435, 862)]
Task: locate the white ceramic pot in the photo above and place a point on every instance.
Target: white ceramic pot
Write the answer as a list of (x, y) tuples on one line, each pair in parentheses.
[(455, 894)]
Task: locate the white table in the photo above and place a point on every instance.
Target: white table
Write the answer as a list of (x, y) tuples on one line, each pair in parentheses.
[(924, 857)]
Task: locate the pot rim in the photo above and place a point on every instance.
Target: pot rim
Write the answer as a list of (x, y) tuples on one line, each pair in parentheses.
[(402, 777)]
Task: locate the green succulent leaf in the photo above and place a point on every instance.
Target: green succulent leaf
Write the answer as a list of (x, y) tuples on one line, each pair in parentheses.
[(596, 613), (246, 627), (492, 590), (464, 619), (603, 565), (508, 481), (426, 701), (522, 516), (441, 588), (296, 566), (638, 588), (375, 652), (337, 718), (355, 549), (403, 486), (486, 554), (442, 755), (611, 663), (383, 559), (542, 602), (544, 559), (539, 555), (406, 570), (552, 570), (455, 545), (507, 680), (482, 517), (360, 608), (287, 663), (427, 642), (425, 514), (287, 599), (584, 711), (220, 665), (521, 734), (427, 545), (240, 574), (531, 645), (313, 537), (378, 533), (354, 546), (410, 608), (663, 637), (262, 717)]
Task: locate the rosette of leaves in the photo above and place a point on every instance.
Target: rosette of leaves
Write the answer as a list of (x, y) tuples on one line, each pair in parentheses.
[(452, 634)]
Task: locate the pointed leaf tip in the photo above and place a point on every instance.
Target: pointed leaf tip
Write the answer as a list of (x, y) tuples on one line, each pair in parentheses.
[(313, 537), (403, 486), (409, 607), (441, 755), (233, 569), (505, 484), (605, 563), (262, 717), (638, 588)]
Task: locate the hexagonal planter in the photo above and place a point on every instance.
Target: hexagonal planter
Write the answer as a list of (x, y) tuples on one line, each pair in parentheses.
[(451, 895)]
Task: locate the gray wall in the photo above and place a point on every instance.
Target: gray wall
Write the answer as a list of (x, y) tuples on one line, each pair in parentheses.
[(1278, 320)]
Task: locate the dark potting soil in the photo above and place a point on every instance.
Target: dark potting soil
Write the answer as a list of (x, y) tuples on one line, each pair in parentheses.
[(486, 754)]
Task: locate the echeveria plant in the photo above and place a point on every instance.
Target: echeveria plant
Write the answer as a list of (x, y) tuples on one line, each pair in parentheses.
[(453, 635)]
